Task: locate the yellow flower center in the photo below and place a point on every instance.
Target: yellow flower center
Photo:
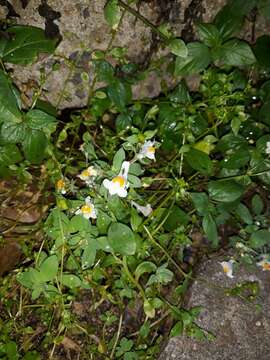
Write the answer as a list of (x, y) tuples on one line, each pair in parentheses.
[(119, 180), (226, 269), (85, 173), (151, 149), (60, 185), (86, 209), (266, 266)]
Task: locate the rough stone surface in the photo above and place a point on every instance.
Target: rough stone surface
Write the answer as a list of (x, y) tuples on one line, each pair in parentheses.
[(82, 27), (240, 327)]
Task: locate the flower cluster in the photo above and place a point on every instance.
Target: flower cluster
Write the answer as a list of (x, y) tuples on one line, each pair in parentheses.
[(264, 263), (117, 185), (227, 266)]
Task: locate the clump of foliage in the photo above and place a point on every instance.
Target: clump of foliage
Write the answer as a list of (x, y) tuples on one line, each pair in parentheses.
[(134, 181)]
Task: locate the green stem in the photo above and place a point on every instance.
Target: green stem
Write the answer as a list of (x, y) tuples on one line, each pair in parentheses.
[(165, 252), (132, 279), (164, 220), (143, 19)]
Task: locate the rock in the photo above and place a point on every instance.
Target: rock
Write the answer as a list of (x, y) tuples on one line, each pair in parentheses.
[(10, 256), (240, 326), (81, 26)]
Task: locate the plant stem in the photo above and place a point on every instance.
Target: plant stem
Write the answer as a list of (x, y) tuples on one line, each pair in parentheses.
[(117, 336), (165, 252), (132, 279), (143, 19)]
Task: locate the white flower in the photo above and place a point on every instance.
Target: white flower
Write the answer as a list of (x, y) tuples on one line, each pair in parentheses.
[(147, 150), (87, 210), (145, 210), (61, 186), (267, 150), (264, 263), (119, 184), (88, 175), (228, 267)]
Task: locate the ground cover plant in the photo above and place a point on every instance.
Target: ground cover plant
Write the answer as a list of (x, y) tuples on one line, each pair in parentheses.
[(135, 189)]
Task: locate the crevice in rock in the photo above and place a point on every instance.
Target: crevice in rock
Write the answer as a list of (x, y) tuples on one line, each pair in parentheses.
[(51, 29), (24, 3), (193, 14)]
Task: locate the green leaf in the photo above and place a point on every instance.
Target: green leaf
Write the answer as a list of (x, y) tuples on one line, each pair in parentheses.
[(121, 238), (145, 330), (240, 82), (89, 254), (259, 239), (264, 8), (178, 47), (48, 269), (119, 93), (231, 142), (257, 204), (264, 113), (103, 244), (177, 329), (242, 7), (80, 223), (262, 51), (176, 219), (123, 122), (201, 202), (134, 181), (12, 132), (135, 219), (116, 205), (25, 279), (104, 71), (37, 290), (118, 159), (265, 91), (71, 281), (9, 154), (34, 146), (209, 34), (149, 309), (124, 346), (46, 107), (130, 355), (11, 351), (103, 222), (164, 275), (144, 267), (9, 110), (228, 22), (135, 169), (225, 190), (180, 94), (199, 161), (244, 214), (197, 60), (112, 13), (210, 229), (235, 53), (236, 159), (26, 43), (38, 120)]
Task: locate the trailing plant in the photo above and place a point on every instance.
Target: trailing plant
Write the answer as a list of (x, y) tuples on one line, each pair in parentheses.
[(135, 182)]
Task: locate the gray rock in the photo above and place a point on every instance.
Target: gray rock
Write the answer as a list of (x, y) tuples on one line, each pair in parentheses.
[(241, 327)]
